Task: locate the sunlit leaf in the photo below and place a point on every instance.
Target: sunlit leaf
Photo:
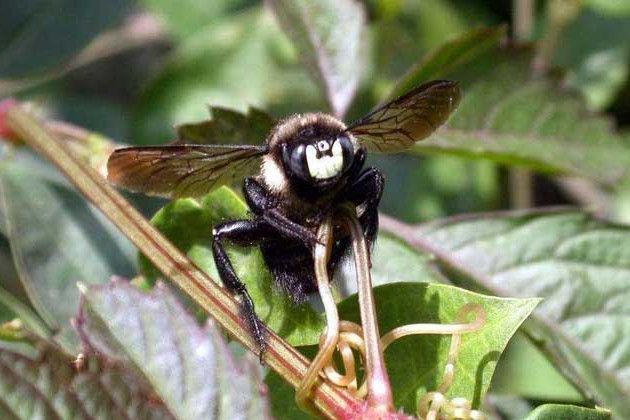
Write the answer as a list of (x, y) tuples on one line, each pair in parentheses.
[(416, 364)]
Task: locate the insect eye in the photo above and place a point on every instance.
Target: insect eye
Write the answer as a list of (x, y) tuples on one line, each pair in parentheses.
[(295, 161)]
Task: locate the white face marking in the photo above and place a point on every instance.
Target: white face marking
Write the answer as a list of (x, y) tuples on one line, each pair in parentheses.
[(326, 166)]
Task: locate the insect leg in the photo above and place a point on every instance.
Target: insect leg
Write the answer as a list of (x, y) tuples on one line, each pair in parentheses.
[(263, 204), (241, 232), (366, 194), (288, 228)]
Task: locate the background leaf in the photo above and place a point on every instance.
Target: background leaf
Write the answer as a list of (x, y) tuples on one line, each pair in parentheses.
[(56, 240), (329, 36), (231, 64), (185, 18), (39, 381), (511, 117), (190, 369), (36, 35)]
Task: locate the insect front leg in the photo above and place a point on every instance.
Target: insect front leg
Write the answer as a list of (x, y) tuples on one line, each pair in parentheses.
[(240, 232), (365, 193), (263, 204)]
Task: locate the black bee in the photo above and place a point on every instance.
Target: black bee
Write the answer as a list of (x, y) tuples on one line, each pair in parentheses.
[(310, 165)]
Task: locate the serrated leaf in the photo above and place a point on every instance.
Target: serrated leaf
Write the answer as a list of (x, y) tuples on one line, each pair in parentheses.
[(509, 116), (227, 126), (329, 36), (188, 224), (41, 382), (55, 30), (56, 240), (579, 265), (563, 412), (188, 367), (416, 364)]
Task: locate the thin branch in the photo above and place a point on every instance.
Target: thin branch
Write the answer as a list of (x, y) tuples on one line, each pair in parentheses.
[(280, 356)]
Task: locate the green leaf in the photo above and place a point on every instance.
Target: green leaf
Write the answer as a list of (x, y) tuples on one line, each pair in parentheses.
[(56, 240), (416, 364), (579, 265), (235, 64), (509, 116), (188, 224), (191, 369), (329, 36), (39, 381), (563, 412), (185, 18), (37, 35), (228, 127)]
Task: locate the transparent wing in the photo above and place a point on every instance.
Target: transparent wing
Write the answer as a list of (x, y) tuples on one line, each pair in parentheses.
[(397, 125), (181, 170)]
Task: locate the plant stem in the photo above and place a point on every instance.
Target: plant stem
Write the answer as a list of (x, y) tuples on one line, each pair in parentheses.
[(521, 185), (379, 389), (280, 356)]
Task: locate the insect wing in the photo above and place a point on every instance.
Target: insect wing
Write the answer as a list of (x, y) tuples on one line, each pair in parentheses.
[(397, 125), (181, 170)]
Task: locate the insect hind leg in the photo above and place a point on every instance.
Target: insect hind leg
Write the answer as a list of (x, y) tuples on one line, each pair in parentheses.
[(240, 232)]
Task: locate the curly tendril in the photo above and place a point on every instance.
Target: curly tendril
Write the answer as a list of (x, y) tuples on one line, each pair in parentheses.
[(347, 339)]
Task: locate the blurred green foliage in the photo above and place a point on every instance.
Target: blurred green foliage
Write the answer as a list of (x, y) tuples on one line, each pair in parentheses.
[(92, 63)]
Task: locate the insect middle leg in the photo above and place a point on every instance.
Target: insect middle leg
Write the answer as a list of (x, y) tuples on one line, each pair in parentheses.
[(240, 232)]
